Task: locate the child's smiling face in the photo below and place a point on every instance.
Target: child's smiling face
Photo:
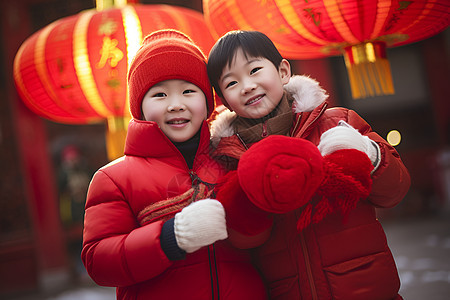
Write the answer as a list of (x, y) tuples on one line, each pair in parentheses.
[(177, 106), (253, 86)]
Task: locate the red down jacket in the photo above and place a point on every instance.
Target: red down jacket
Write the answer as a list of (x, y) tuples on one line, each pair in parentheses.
[(337, 258), (119, 251)]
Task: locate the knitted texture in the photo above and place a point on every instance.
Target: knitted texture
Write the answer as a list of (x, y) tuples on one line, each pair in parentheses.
[(164, 55), (280, 173), (167, 208), (200, 224), (344, 136), (241, 214), (347, 181)]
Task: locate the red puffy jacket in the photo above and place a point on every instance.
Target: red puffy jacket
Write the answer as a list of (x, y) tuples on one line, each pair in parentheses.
[(121, 250), (337, 258)]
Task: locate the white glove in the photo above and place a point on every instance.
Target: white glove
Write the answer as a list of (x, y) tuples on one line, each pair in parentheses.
[(200, 224), (344, 136)]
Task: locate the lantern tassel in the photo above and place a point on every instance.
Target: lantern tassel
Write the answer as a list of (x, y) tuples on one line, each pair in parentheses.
[(115, 136), (368, 70)]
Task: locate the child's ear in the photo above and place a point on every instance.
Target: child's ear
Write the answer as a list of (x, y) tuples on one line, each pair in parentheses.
[(285, 71)]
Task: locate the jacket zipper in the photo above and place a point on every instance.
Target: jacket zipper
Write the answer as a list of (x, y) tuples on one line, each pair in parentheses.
[(264, 133), (308, 267), (313, 121), (213, 272), (242, 141), (312, 286), (296, 124)]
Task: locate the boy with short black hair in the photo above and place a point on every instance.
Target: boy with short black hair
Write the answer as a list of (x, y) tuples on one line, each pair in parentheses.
[(327, 248)]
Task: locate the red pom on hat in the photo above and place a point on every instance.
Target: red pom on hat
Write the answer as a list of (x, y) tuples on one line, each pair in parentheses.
[(164, 55), (280, 174)]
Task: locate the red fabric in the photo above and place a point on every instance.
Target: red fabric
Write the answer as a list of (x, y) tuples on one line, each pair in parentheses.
[(241, 213), (340, 257), (117, 251), (280, 173), (347, 181), (166, 54)]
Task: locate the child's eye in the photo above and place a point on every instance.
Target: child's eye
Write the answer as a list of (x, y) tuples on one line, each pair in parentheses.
[(188, 91), (159, 95), (254, 70), (231, 83)]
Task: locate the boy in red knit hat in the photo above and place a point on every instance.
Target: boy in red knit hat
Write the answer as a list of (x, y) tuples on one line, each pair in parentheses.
[(151, 228), (304, 180)]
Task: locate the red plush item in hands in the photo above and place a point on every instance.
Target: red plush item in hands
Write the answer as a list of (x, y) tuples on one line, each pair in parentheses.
[(348, 180), (280, 174), (241, 214)]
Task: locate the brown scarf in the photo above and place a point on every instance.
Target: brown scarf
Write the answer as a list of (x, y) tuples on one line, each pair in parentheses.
[(278, 122)]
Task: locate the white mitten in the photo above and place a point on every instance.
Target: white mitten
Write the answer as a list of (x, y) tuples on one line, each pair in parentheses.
[(200, 224), (344, 136)]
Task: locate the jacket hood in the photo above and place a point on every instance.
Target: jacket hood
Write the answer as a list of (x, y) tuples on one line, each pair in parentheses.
[(305, 91)]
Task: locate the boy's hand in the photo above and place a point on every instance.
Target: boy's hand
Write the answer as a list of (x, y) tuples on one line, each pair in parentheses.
[(200, 224), (345, 136)]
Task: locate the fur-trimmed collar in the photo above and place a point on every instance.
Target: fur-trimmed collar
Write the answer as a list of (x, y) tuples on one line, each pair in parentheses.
[(307, 95)]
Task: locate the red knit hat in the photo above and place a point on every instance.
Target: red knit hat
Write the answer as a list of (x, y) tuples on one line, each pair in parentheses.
[(166, 54)]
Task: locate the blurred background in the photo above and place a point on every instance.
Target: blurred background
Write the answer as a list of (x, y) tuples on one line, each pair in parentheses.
[(46, 166)]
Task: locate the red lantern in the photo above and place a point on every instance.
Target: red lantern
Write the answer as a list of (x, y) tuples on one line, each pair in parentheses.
[(361, 30), (74, 70)]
